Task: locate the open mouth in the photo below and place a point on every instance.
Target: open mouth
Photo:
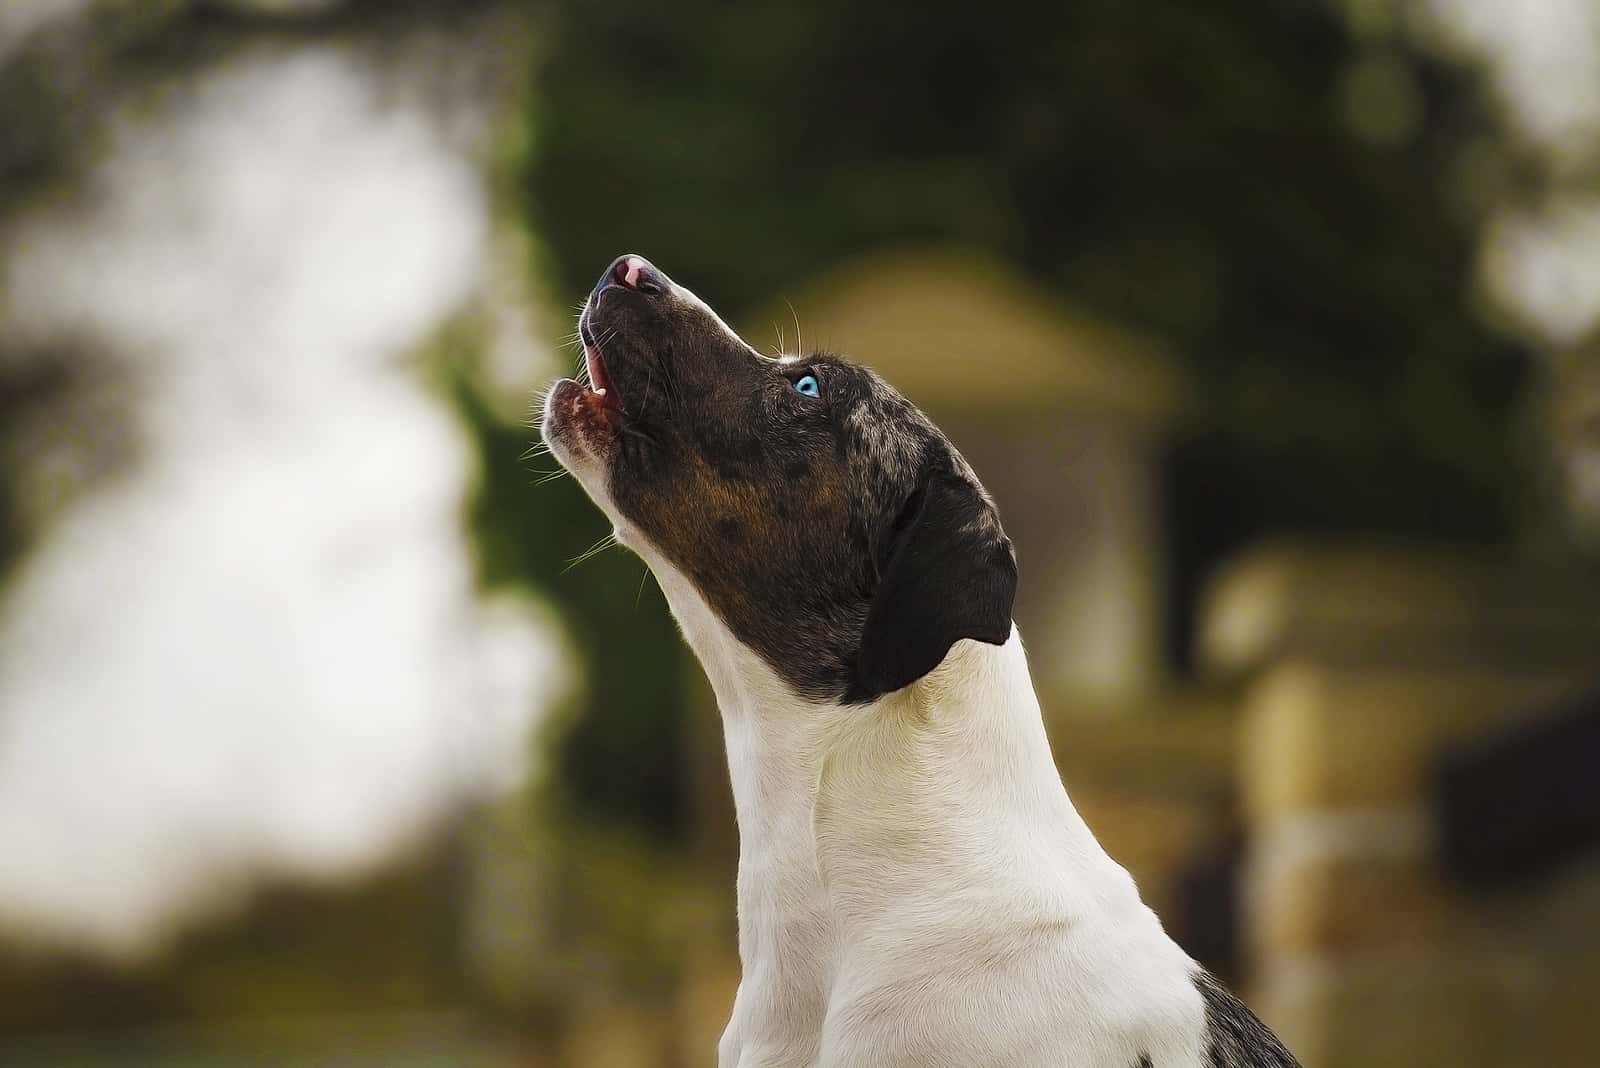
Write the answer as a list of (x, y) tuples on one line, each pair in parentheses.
[(600, 386)]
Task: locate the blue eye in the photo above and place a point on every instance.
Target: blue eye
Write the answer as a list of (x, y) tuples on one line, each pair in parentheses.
[(807, 384)]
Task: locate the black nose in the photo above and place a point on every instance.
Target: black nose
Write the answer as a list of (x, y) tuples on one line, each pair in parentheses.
[(632, 272)]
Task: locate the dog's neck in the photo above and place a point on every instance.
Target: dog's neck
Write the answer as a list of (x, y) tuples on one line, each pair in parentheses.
[(918, 823)]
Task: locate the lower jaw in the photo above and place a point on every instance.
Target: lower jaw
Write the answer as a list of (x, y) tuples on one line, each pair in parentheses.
[(583, 414)]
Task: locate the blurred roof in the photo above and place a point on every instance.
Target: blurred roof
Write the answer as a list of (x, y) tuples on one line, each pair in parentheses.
[(957, 332)]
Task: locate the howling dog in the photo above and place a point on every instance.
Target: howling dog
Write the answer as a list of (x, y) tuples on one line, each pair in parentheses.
[(915, 888)]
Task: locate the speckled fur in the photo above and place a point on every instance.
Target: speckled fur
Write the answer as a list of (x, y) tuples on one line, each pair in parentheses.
[(1235, 1038)]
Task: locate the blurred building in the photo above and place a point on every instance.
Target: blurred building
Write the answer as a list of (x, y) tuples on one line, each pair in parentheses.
[(1361, 667)]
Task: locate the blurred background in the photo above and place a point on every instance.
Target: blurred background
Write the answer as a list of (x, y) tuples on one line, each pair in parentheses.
[(1273, 326)]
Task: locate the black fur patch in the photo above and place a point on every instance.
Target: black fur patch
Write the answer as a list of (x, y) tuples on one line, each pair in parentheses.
[(947, 578), (1235, 1038), (841, 537)]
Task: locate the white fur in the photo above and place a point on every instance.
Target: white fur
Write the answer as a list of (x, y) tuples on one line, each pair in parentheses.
[(915, 887)]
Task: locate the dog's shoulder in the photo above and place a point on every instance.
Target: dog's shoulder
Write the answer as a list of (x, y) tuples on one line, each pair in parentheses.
[(1235, 1037)]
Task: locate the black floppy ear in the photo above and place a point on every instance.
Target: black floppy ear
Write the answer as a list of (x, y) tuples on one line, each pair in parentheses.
[(950, 575)]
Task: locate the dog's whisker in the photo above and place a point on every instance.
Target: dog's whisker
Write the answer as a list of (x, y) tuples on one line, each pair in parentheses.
[(591, 552), (639, 594), (550, 476), (650, 377), (799, 343)]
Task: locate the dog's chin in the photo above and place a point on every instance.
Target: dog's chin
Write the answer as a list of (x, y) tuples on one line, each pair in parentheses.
[(580, 425), (580, 428)]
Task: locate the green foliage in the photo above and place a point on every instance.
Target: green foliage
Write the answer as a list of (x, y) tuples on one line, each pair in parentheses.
[(623, 759)]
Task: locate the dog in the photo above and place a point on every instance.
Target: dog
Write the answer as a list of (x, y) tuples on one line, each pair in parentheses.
[(914, 885)]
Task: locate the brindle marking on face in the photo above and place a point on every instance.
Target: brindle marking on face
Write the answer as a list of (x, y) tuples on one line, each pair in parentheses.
[(787, 511)]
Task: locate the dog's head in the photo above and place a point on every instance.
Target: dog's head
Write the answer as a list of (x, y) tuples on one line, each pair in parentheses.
[(827, 523)]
